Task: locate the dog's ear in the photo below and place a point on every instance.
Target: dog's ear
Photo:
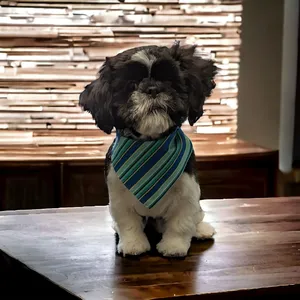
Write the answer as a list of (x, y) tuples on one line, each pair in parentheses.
[(199, 76), (97, 99)]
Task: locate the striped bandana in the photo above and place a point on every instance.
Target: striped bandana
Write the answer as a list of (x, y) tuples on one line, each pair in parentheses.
[(150, 168)]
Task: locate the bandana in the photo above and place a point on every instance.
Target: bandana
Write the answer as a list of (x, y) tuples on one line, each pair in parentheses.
[(150, 168)]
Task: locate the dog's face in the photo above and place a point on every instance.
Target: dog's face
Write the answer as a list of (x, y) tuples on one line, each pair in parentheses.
[(150, 89)]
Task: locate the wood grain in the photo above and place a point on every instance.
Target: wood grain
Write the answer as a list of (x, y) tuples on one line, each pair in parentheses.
[(58, 145), (255, 253), (51, 49)]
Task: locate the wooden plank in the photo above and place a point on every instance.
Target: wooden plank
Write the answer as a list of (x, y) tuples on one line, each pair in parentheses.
[(85, 8), (206, 145), (106, 2)]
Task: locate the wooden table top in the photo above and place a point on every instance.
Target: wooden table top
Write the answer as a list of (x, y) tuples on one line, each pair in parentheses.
[(256, 250), (91, 145)]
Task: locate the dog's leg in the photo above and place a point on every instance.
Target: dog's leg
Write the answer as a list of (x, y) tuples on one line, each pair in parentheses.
[(128, 224), (183, 220), (203, 230), (130, 228), (179, 230)]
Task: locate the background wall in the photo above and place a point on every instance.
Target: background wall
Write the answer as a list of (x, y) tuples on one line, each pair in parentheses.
[(289, 86), (269, 84), (260, 72), (296, 156), (49, 50), (296, 142)]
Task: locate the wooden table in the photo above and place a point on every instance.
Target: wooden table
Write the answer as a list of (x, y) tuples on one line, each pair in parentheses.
[(256, 252)]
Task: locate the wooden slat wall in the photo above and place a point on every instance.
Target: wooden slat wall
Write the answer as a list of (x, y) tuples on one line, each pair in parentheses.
[(49, 50)]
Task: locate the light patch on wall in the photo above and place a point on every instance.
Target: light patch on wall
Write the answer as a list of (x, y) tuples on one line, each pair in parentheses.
[(57, 49)]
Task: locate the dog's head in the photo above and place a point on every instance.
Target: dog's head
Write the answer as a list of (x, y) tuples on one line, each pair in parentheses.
[(150, 89)]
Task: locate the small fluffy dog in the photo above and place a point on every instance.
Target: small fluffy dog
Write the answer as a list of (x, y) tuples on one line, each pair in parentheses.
[(146, 93)]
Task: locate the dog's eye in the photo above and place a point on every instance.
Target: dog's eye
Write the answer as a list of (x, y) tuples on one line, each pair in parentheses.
[(164, 70), (135, 71), (133, 86)]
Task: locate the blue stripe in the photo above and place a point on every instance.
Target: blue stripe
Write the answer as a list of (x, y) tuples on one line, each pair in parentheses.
[(161, 181), (161, 166), (144, 169), (127, 155), (175, 179)]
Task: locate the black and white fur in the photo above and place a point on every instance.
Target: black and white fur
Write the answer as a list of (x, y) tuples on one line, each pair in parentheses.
[(145, 93)]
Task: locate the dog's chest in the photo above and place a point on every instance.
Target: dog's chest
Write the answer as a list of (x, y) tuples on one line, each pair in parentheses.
[(184, 189)]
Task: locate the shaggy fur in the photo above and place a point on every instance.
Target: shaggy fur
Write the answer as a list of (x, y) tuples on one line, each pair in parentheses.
[(146, 93)]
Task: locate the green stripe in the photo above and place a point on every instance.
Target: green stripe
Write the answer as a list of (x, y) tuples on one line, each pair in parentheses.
[(171, 179), (162, 191), (137, 166), (128, 145), (140, 185), (137, 155), (147, 157), (165, 169), (118, 146), (171, 157)]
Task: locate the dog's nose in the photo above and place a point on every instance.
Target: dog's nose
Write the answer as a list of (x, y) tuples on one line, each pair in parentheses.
[(152, 91)]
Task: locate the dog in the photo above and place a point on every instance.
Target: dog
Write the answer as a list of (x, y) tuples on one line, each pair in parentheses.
[(146, 94)]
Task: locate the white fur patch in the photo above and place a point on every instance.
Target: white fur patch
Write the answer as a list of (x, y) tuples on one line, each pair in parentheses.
[(152, 122), (179, 209), (144, 57), (204, 231)]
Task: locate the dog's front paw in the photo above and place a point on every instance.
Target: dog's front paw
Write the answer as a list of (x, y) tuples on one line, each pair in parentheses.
[(133, 246), (173, 247), (204, 231)]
